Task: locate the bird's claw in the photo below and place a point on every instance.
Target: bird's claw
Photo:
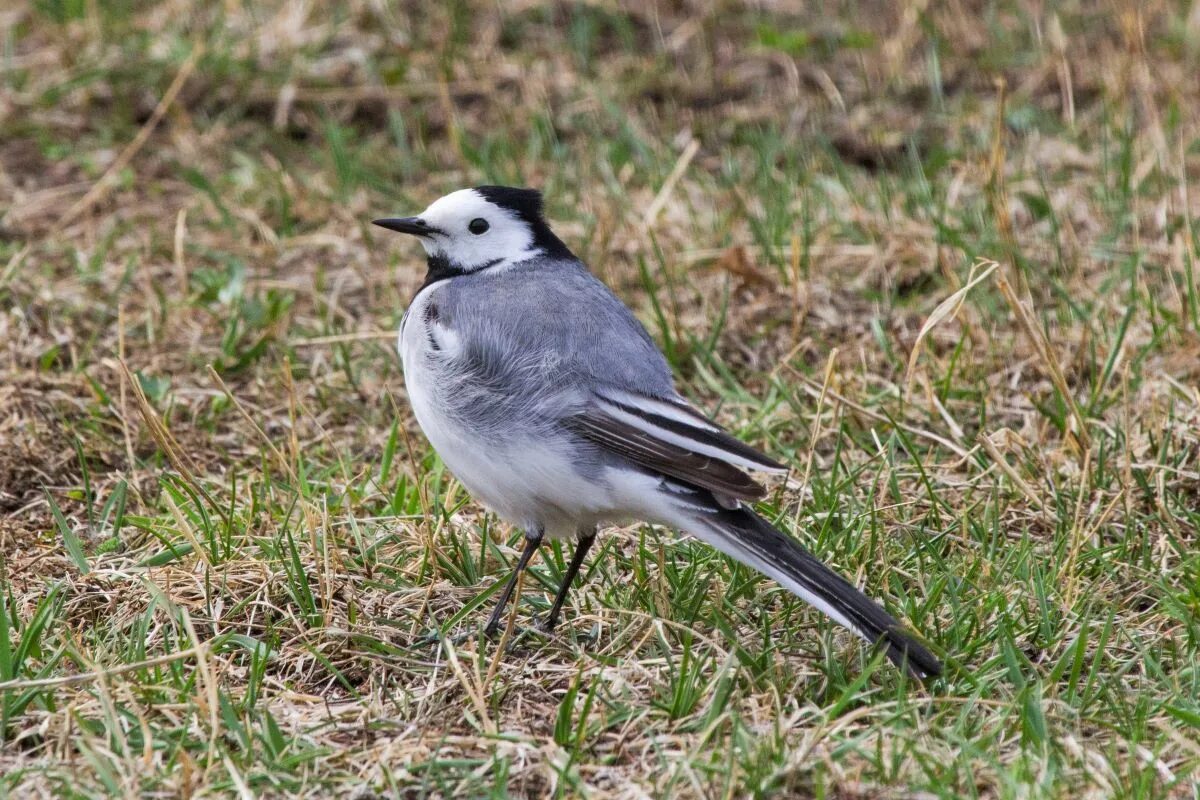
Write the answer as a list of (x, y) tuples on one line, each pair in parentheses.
[(436, 637)]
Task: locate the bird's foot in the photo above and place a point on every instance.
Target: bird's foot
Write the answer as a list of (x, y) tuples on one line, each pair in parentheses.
[(542, 628), (436, 637)]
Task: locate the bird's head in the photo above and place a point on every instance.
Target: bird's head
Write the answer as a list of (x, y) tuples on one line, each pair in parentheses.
[(475, 229)]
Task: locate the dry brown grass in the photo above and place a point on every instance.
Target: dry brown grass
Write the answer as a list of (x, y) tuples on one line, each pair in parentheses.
[(786, 195)]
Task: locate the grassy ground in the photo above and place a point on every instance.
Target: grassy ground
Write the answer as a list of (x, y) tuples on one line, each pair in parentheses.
[(214, 566)]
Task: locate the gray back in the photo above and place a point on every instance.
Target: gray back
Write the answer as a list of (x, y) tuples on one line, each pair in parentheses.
[(539, 337)]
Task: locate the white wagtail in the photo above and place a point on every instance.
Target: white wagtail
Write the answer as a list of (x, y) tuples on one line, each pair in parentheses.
[(552, 405)]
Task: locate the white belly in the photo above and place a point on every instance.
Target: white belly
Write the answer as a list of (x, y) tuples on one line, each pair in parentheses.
[(529, 481)]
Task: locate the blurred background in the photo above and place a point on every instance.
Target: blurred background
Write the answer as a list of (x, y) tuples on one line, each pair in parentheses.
[(788, 193)]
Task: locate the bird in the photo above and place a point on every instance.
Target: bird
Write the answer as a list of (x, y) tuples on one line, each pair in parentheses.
[(552, 405)]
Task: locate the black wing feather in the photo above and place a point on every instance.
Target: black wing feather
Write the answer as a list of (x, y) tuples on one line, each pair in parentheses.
[(664, 457)]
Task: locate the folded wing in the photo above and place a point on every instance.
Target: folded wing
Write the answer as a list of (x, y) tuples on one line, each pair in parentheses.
[(672, 438)]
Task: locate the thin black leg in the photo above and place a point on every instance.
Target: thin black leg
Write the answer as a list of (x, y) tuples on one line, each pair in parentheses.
[(582, 545), (533, 540)]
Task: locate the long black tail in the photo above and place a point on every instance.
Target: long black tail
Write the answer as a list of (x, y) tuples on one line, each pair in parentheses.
[(747, 537)]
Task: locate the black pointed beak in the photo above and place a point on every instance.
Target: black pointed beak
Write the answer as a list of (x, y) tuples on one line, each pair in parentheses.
[(411, 225)]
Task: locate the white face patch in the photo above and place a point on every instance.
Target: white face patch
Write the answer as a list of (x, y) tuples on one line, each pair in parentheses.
[(505, 238)]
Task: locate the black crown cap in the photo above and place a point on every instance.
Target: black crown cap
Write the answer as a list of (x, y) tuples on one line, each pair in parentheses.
[(527, 205)]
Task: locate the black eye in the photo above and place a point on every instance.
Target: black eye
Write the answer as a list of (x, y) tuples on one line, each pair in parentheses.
[(478, 226)]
